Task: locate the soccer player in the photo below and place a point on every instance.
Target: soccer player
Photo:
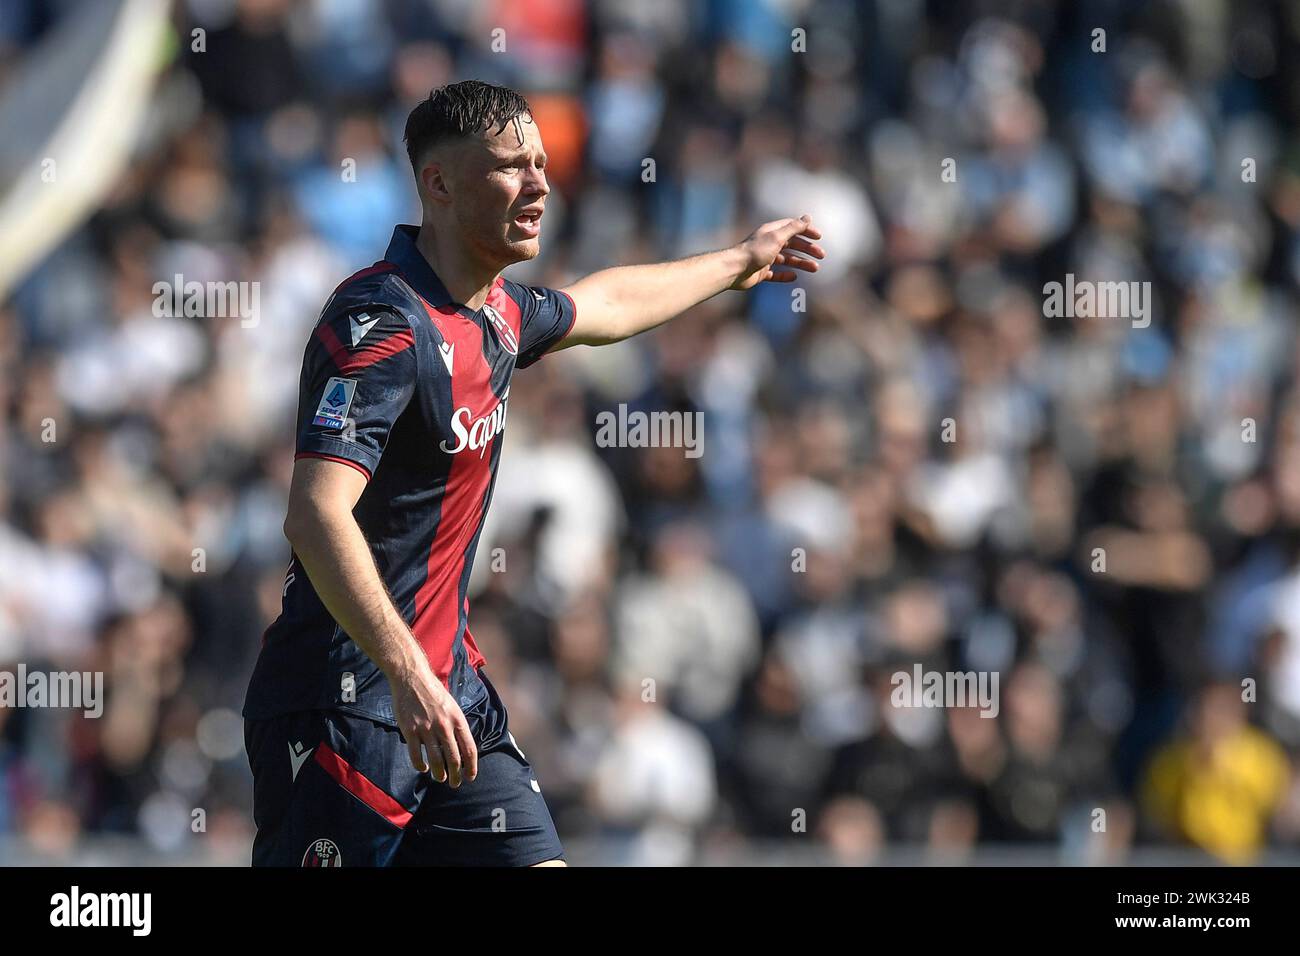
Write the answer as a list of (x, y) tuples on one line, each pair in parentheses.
[(374, 734)]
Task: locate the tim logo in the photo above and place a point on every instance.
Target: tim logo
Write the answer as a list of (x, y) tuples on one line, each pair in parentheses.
[(322, 853), (504, 332)]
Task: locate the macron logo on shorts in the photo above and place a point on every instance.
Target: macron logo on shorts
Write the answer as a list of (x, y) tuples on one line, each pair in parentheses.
[(297, 757)]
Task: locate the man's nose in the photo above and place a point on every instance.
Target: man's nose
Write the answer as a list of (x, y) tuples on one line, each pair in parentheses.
[(536, 182)]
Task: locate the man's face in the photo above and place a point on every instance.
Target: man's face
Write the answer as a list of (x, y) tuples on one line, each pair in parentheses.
[(496, 190)]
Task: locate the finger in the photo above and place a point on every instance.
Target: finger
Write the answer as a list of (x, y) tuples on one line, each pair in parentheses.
[(797, 262), (805, 245), (437, 763), (468, 749), (782, 276), (413, 748), (789, 228), (450, 753), (801, 226)]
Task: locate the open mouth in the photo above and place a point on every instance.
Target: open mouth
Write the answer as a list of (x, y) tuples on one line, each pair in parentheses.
[(529, 221)]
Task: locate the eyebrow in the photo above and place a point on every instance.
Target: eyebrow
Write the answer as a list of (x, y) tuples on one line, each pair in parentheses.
[(518, 155)]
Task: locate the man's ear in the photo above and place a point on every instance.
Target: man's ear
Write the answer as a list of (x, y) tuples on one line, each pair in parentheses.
[(433, 182)]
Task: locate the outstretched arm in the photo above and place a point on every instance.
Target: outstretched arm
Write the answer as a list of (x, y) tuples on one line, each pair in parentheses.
[(615, 304)]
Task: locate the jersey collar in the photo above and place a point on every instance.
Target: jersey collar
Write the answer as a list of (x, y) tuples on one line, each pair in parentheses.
[(411, 263)]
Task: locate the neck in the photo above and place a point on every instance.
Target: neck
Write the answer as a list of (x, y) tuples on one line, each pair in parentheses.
[(468, 281)]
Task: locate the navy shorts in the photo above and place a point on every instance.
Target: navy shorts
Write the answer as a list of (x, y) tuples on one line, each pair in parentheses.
[(336, 789)]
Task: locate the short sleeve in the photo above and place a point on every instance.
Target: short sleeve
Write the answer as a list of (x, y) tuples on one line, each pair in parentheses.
[(545, 317), (358, 375)]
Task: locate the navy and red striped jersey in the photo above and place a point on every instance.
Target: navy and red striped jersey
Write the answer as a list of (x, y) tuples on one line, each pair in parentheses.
[(411, 389)]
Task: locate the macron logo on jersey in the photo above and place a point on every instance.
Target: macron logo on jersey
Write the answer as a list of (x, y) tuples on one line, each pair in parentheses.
[(361, 324), (478, 435), (447, 350)]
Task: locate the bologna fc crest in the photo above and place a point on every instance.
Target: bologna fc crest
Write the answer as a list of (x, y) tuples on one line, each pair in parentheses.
[(322, 853), (504, 332)]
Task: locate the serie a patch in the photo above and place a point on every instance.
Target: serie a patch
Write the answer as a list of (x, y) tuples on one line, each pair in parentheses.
[(332, 412)]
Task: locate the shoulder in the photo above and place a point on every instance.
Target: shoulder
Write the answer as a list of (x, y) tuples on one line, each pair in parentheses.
[(378, 291), (535, 300), (367, 322), (514, 289), (522, 294)]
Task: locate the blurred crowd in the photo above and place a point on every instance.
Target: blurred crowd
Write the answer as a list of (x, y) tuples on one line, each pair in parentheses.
[(905, 462)]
